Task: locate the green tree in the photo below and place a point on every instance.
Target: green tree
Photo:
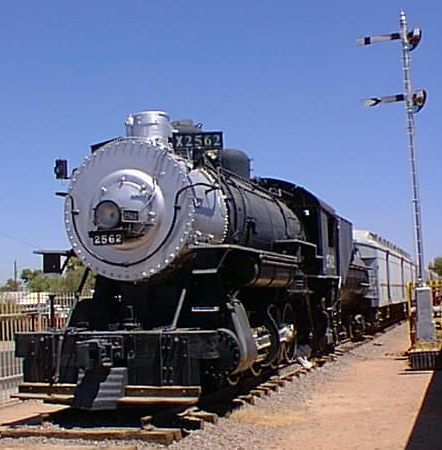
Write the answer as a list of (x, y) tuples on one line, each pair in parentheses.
[(72, 277), (436, 265), (27, 275), (42, 284), (11, 285), (69, 281)]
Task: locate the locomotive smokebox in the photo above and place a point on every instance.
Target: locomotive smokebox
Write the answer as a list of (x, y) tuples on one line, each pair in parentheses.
[(153, 125)]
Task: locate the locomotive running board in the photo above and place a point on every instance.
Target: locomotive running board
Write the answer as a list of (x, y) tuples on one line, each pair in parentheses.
[(134, 395), (260, 268)]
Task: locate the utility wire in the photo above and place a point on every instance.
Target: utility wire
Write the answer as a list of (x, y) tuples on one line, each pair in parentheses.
[(21, 241)]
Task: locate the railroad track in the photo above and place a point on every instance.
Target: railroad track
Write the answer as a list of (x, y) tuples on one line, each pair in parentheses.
[(166, 425)]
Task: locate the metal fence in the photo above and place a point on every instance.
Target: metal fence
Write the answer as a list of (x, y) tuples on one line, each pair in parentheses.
[(21, 311)]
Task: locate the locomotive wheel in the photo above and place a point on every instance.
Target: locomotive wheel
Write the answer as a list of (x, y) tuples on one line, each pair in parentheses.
[(222, 367), (270, 323), (289, 349), (256, 369), (357, 327), (233, 380)]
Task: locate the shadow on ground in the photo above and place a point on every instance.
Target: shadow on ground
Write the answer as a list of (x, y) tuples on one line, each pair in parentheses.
[(427, 430)]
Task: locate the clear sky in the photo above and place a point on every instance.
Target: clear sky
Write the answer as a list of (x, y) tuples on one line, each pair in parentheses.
[(281, 79)]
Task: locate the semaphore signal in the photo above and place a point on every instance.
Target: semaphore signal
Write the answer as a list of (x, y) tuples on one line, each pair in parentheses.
[(414, 102), (413, 38), (419, 99)]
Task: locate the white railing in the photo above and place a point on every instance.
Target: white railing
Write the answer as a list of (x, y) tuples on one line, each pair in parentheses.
[(21, 311)]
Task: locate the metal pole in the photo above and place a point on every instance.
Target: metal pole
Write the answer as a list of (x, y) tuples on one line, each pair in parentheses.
[(408, 91), (15, 276), (52, 310), (39, 321)]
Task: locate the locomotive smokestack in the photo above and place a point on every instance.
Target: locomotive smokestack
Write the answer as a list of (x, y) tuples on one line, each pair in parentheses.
[(154, 125)]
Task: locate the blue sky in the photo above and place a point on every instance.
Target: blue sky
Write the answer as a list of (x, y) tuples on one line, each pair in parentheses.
[(281, 79)]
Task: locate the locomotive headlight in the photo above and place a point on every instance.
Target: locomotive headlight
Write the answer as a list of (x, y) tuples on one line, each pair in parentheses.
[(107, 215)]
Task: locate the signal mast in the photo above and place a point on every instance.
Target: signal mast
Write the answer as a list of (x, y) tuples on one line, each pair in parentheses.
[(414, 102)]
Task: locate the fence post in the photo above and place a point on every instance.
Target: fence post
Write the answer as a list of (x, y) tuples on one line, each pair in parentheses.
[(52, 310), (38, 312)]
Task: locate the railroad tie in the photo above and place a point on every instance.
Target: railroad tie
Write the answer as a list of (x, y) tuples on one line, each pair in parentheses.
[(250, 399)]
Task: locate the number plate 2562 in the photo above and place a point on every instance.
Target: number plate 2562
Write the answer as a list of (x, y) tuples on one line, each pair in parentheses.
[(107, 238)]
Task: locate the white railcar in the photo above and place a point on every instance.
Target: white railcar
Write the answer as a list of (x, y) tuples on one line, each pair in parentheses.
[(390, 269)]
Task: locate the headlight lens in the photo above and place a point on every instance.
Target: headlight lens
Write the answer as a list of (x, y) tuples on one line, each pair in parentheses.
[(107, 215)]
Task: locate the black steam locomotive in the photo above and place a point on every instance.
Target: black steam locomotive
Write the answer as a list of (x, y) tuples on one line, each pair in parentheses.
[(203, 274)]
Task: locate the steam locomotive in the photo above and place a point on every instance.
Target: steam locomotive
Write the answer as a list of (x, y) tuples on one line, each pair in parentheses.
[(203, 274)]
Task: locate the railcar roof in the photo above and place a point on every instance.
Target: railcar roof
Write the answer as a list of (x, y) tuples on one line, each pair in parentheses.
[(374, 240)]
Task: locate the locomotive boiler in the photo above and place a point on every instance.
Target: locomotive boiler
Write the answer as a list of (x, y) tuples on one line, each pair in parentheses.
[(203, 274)]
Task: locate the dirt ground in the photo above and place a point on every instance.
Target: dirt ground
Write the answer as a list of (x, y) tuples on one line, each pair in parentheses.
[(376, 403)]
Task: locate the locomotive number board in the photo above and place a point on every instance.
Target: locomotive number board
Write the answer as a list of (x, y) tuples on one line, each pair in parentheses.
[(106, 237), (212, 140)]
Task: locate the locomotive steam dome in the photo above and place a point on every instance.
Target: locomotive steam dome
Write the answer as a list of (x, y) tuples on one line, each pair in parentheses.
[(131, 205)]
